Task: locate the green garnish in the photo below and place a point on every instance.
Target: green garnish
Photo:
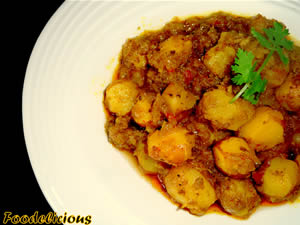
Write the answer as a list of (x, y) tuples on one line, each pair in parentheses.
[(247, 75), (245, 68)]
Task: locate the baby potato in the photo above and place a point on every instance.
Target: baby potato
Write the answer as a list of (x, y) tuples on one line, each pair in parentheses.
[(120, 96), (264, 130), (190, 188), (219, 58), (178, 99), (288, 94), (173, 52), (238, 197), (149, 165), (234, 157), (215, 107), (175, 43), (141, 111), (277, 178), (172, 145)]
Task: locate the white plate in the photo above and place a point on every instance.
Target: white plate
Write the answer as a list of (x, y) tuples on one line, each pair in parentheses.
[(73, 60)]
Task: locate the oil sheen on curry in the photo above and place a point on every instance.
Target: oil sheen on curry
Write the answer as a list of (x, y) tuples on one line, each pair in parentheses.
[(211, 107)]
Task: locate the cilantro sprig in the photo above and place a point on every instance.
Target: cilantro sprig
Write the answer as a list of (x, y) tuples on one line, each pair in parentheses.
[(244, 67), (247, 75)]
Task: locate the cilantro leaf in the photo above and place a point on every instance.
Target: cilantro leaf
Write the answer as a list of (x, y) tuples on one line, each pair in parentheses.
[(282, 56), (278, 34), (246, 74), (254, 85), (276, 40), (262, 40), (243, 67), (257, 87)]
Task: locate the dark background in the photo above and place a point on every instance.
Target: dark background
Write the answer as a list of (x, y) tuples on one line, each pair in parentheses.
[(19, 182)]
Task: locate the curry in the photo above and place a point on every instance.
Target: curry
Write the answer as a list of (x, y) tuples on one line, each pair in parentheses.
[(173, 107)]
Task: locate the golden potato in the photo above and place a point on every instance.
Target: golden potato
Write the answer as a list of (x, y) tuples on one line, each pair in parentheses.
[(149, 165), (238, 197), (275, 71), (178, 99), (172, 145), (277, 178), (264, 130), (120, 96), (234, 157), (219, 58), (288, 94), (141, 111), (216, 107), (175, 43), (190, 188), (173, 52)]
